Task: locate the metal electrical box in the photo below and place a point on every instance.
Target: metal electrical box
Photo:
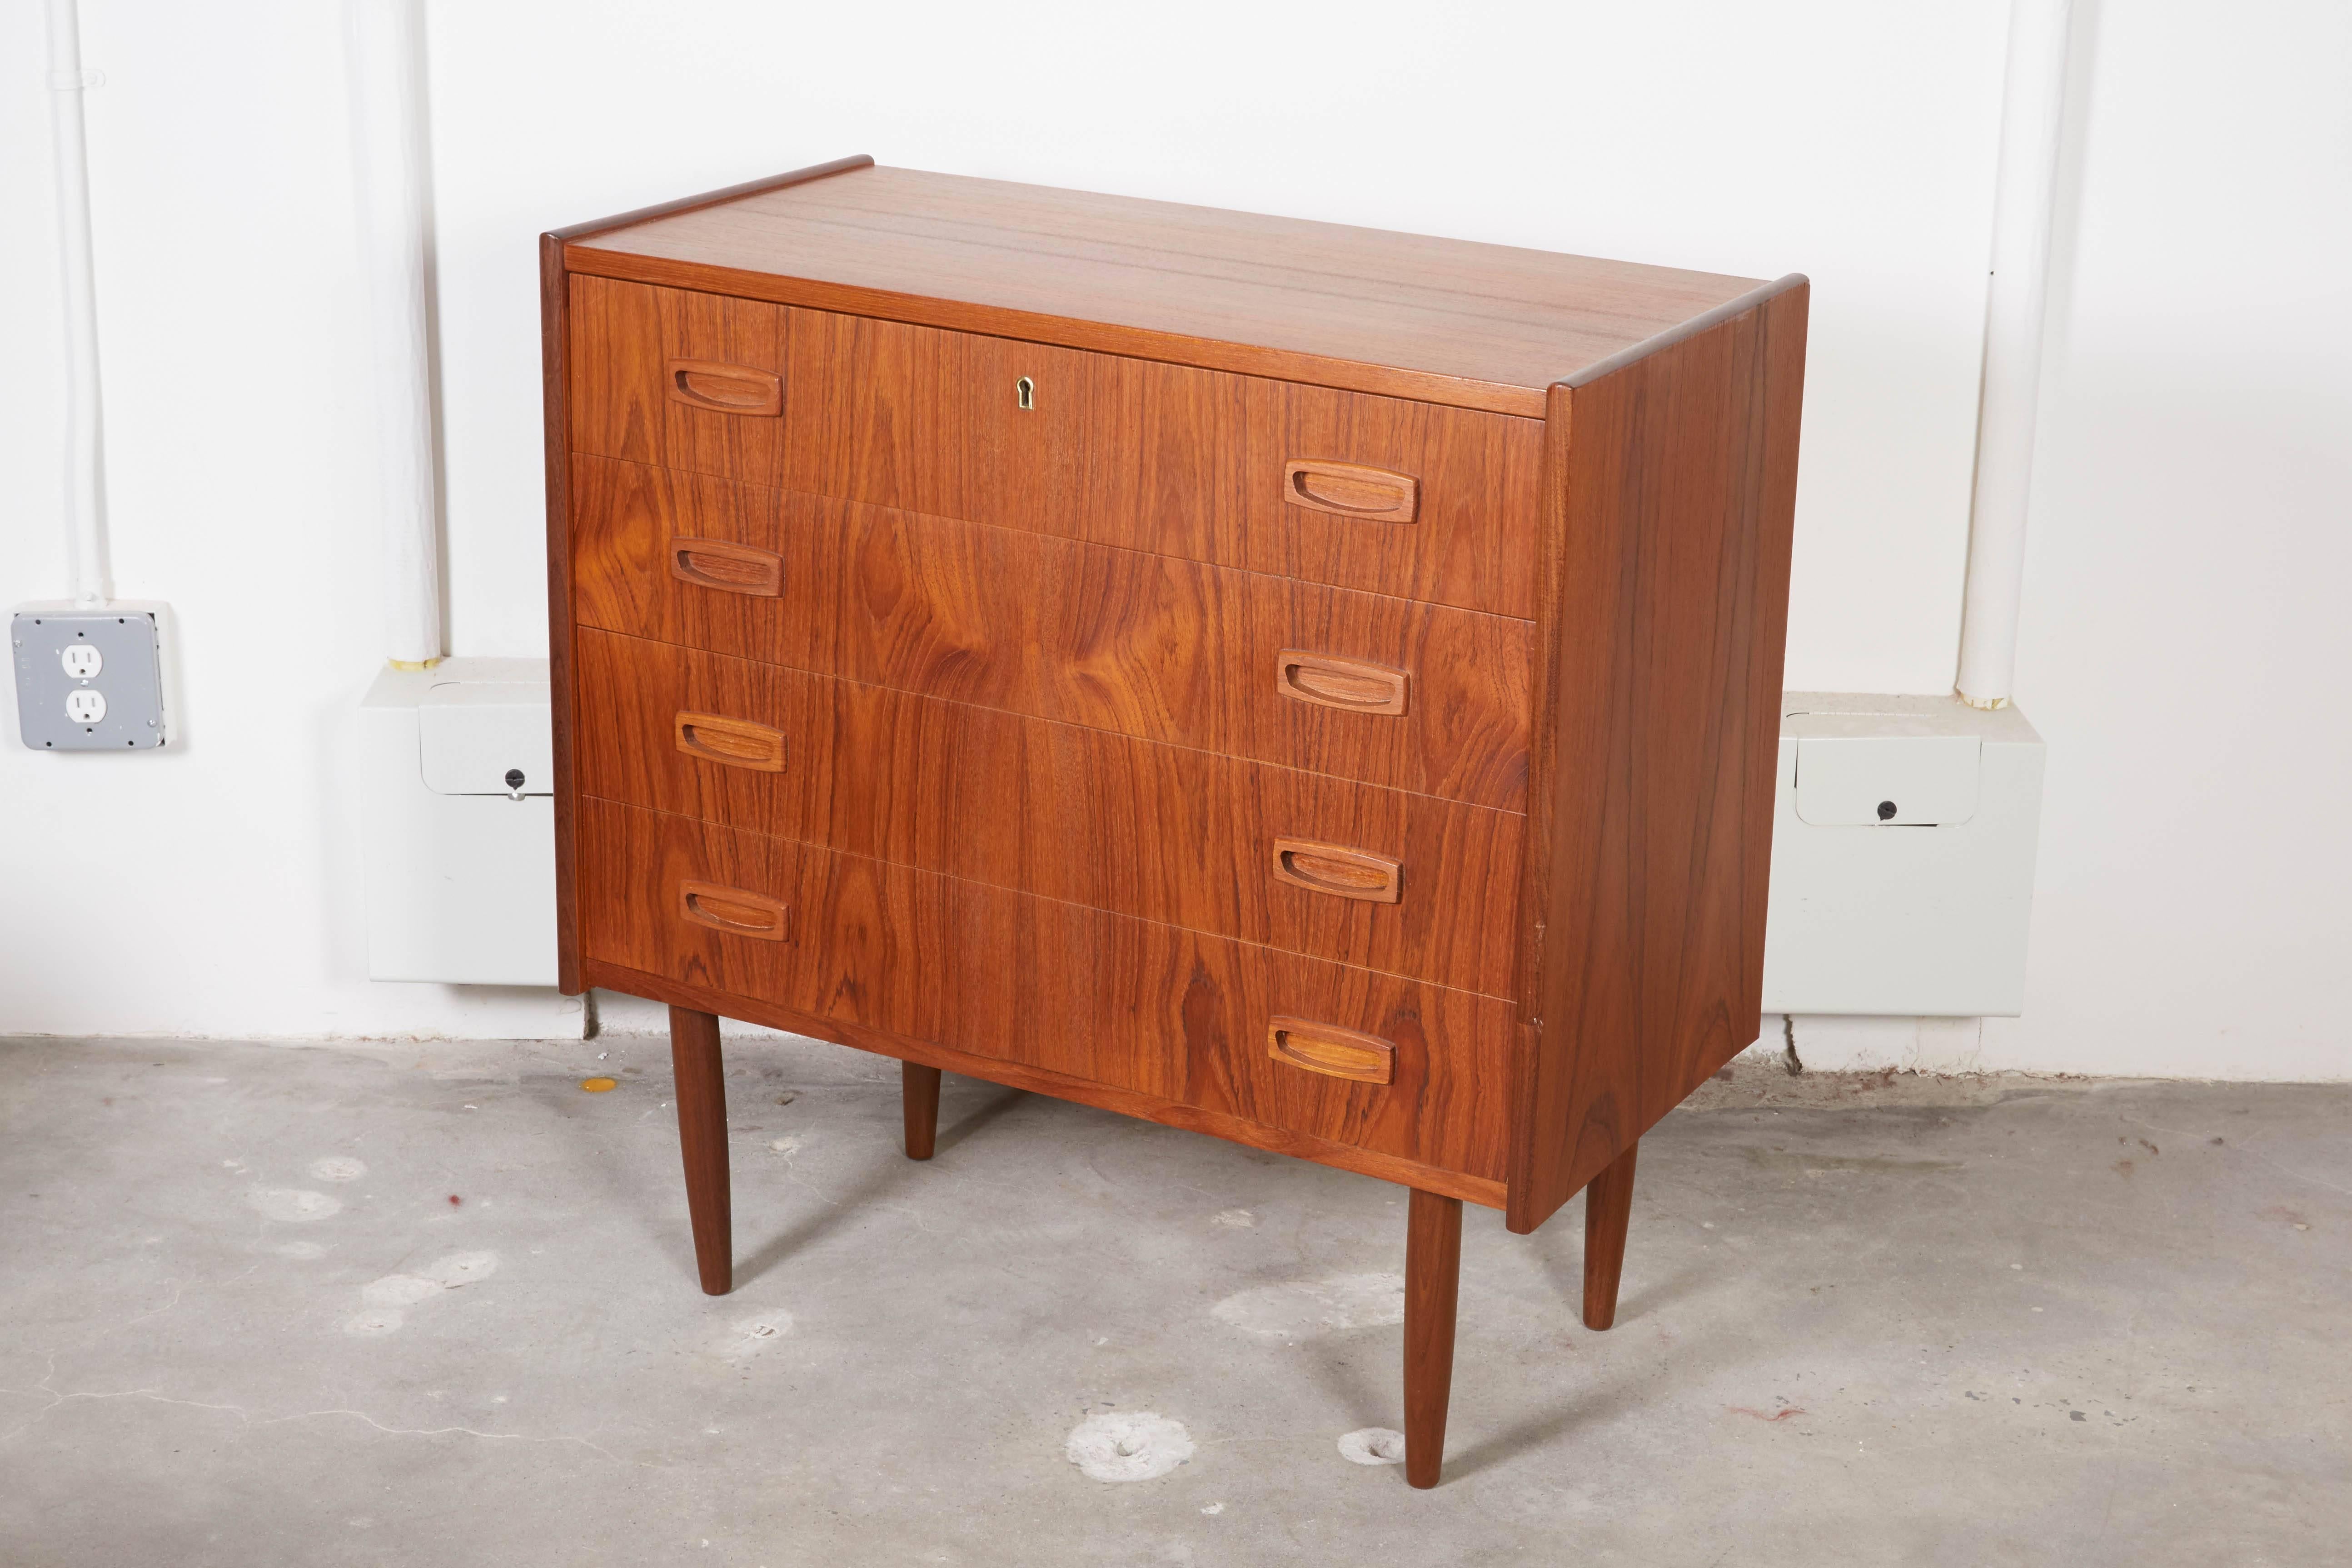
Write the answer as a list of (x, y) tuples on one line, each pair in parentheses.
[(90, 681), (459, 780), (1901, 857)]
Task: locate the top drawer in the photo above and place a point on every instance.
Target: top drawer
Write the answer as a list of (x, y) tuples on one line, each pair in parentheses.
[(1375, 493)]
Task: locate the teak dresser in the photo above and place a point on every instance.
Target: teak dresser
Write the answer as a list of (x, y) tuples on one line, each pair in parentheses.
[(1312, 685)]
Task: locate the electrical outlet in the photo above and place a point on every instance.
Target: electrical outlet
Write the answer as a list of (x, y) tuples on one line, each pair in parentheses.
[(90, 681)]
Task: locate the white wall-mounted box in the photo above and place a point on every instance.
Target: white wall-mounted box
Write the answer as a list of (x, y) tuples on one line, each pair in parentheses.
[(1901, 857), (458, 776)]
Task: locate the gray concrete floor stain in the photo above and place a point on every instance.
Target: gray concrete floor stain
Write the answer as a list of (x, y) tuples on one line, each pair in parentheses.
[(435, 1304)]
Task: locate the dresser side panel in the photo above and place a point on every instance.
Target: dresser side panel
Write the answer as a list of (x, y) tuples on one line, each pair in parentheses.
[(1786, 318), (1665, 632), (555, 343)]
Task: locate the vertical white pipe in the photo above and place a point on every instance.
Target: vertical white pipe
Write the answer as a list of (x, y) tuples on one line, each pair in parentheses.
[(2032, 109), (384, 41), (66, 84)]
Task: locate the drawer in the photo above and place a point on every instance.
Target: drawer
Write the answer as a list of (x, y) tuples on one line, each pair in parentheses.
[(1165, 649), (1378, 879), (1292, 1043), (1387, 495)]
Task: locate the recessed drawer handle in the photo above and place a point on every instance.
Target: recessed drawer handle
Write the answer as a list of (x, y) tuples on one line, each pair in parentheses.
[(1331, 1050), (735, 911), (1357, 685), (731, 568), (1334, 869), (736, 743), (726, 388), (1351, 490)]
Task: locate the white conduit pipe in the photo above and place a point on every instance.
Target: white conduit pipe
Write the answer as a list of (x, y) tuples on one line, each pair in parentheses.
[(82, 409), (388, 136), (2032, 108)]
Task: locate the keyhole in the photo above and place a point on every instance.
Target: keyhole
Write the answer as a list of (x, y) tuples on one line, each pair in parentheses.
[(1026, 391), (1886, 810)]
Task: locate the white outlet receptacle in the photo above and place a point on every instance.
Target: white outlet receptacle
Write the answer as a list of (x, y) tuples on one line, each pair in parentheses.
[(82, 661)]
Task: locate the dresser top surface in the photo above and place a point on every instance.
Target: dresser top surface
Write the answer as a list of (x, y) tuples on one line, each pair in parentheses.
[(1450, 320)]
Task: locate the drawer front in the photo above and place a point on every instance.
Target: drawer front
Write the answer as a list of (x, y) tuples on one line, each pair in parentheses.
[(1378, 879), (1164, 650), (1130, 1002), (1394, 496)]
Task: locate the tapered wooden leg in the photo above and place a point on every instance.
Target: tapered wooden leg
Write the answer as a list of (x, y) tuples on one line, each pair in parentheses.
[(1433, 1272), (919, 1087), (1608, 1201), (702, 1139)]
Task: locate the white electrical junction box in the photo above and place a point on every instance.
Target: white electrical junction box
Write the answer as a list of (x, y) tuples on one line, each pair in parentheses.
[(1903, 852), (458, 768)]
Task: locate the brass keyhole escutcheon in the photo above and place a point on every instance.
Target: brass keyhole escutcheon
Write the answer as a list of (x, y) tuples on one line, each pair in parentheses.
[(1026, 390)]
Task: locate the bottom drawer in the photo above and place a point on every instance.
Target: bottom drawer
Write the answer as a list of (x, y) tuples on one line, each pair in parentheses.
[(1291, 1042)]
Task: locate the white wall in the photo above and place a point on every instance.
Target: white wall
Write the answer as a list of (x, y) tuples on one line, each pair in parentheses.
[(1853, 141), (2187, 644)]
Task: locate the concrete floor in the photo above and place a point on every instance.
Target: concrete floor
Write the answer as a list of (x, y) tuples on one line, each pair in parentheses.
[(435, 1305)]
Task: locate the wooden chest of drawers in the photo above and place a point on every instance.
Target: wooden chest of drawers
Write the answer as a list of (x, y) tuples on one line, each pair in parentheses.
[(1312, 685)]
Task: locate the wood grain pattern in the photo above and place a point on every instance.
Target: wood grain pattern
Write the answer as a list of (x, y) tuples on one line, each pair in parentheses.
[(555, 380), (555, 389), (709, 387), (1171, 459), (701, 199), (1077, 991), (1185, 838), (701, 1085), (1433, 1277), (1608, 1208), (730, 743), (1350, 491), (1062, 1085), (1477, 501), (1676, 478), (1315, 687), (1329, 1049), (1446, 320), (1151, 646), (1340, 871), (729, 568), (919, 1097), (1350, 684), (734, 912)]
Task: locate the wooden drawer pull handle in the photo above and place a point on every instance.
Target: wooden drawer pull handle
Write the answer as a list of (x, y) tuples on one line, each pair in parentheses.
[(1331, 1050), (1334, 869), (1351, 490), (726, 388), (729, 567), (735, 911), (735, 742), (1357, 685)]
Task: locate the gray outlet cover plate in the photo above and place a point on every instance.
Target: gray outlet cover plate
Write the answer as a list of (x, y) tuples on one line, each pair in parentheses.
[(130, 678)]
